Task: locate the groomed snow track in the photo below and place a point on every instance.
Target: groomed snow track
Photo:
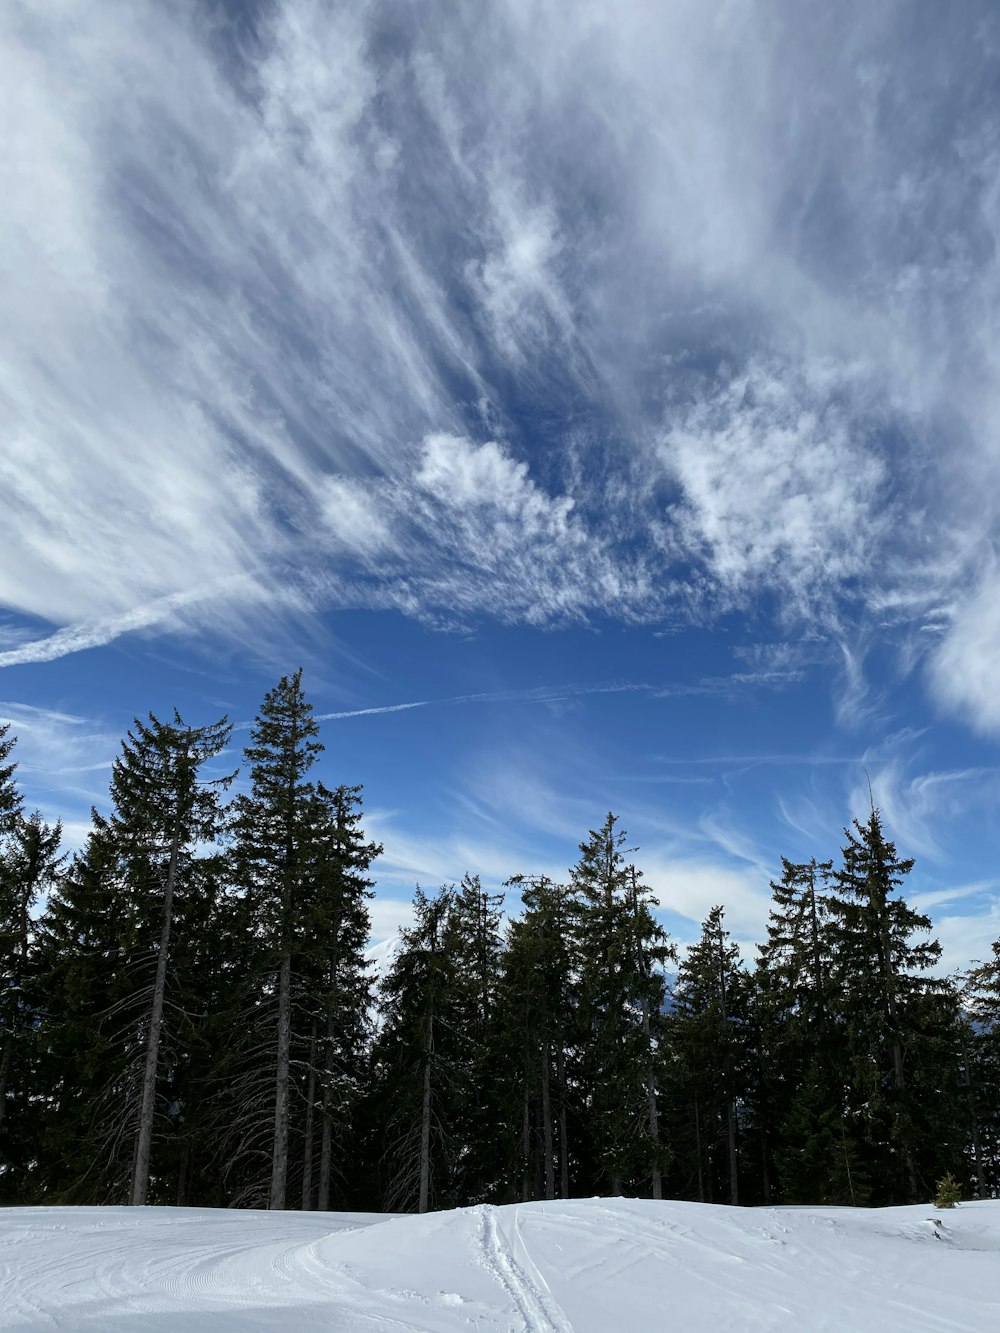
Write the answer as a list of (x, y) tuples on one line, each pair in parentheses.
[(584, 1266)]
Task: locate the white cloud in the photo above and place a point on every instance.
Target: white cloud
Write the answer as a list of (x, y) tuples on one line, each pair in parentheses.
[(965, 664), (468, 530), (63, 760), (256, 290), (776, 488), (691, 886)]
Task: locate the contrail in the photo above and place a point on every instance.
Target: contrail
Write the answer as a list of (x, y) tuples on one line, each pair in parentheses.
[(98, 633), (386, 708), (539, 694)]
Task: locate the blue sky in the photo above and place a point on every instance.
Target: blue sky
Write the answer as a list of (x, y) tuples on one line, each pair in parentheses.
[(615, 387)]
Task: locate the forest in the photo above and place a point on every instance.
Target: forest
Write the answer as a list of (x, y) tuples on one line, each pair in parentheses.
[(187, 1014)]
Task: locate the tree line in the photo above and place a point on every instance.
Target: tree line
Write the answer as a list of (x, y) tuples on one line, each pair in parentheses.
[(187, 1014)]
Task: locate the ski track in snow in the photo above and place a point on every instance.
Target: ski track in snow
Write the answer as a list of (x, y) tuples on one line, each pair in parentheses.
[(539, 1312), (580, 1266)]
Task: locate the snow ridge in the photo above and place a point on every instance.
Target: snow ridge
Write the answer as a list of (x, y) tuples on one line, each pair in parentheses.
[(538, 1311)]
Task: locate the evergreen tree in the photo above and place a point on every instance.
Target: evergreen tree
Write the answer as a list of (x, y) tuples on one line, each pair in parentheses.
[(539, 999), (333, 993), (474, 943), (621, 951), (798, 1100), (416, 1062), (710, 1000), (299, 864), (901, 1028), (274, 830), (107, 954), (29, 868), (980, 1076)]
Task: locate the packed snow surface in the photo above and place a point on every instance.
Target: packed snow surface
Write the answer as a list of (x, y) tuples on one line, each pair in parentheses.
[(593, 1266)]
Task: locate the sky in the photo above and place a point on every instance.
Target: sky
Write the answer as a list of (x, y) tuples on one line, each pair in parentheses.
[(601, 403)]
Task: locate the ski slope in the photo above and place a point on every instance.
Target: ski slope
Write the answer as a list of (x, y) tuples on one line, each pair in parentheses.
[(590, 1266)]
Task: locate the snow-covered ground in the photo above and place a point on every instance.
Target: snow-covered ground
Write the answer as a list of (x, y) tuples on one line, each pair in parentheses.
[(592, 1265)]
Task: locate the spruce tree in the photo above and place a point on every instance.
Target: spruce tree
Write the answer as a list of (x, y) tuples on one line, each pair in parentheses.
[(798, 1100), (705, 1025), (980, 1073), (416, 1093), (475, 944), (30, 863), (901, 1028), (10, 796), (275, 828), (539, 997), (621, 951), (333, 993), (107, 947)]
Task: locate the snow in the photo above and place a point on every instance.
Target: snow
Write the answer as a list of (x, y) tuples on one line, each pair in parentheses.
[(382, 956), (589, 1265)]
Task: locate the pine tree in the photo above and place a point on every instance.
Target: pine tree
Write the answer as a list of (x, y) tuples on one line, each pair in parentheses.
[(29, 867), (901, 1027), (276, 829), (13, 933), (333, 992), (107, 952), (10, 796), (980, 1076), (621, 952), (709, 1008), (798, 1099), (538, 1023), (475, 945), (416, 1062)]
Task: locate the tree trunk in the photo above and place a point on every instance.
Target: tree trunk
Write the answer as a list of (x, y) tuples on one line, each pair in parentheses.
[(184, 1178), (765, 1173), (978, 1156), (898, 1076), (307, 1149), (279, 1155), (550, 1178), (326, 1141), (563, 1136), (652, 1112), (526, 1147), (425, 1121), (697, 1152), (147, 1107), (847, 1166), (734, 1187), (7, 1053), (6, 1060)]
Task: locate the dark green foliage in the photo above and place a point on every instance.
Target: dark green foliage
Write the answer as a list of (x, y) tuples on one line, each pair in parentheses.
[(620, 954), (30, 864), (537, 1055), (100, 947), (417, 1063), (979, 1080), (475, 944), (213, 973), (901, 1028), (799, 1093), (947, 1192), (299, 869), (707, 1023)]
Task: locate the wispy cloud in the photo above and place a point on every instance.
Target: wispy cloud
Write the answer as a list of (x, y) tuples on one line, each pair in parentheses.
[(731, 355), (63, 760), (160, 612)]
